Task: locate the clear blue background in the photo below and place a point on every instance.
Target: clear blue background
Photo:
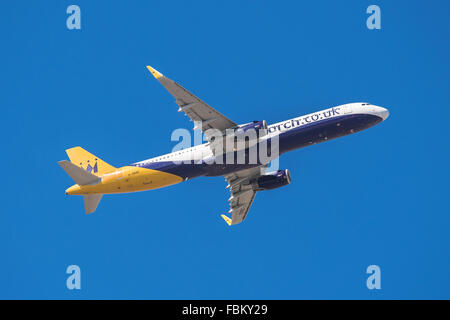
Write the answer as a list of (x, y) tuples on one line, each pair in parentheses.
[(377, 197)]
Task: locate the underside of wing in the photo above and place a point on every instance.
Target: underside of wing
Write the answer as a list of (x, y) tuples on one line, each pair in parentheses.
[(242, 193), (198, 111)]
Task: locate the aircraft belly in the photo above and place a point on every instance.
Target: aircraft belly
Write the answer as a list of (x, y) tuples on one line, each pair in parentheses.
[(131, 179), (325, 130), (139, 179)]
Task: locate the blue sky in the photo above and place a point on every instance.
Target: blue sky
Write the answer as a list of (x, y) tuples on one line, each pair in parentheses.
[(377, 197)]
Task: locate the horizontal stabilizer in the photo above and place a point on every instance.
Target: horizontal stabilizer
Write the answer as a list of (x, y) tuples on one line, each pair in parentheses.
[(79, 175), (91, 202)]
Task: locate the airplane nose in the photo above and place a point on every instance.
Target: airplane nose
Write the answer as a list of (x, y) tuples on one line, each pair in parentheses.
[(385, 113), (382, 112)]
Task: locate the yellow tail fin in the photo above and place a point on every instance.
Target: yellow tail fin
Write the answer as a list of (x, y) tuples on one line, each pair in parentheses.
[(88, 161)]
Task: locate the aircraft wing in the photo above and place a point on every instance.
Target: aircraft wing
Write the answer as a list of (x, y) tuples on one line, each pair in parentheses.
[(242, 193), (193, 107)]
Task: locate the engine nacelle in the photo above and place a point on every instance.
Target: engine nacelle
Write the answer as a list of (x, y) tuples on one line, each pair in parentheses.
[(260, 128), (240, 138), (272, 180)]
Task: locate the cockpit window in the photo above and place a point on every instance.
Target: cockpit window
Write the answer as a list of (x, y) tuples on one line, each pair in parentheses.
[(366, 104)]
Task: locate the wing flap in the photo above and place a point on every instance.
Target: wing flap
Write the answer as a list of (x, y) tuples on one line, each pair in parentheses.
[(242, 194)]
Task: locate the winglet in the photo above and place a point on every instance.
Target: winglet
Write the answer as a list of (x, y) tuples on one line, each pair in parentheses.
[(154, 72), (227, 220)]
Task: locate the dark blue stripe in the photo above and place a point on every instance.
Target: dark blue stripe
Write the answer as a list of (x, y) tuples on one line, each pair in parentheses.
[(333, 128)]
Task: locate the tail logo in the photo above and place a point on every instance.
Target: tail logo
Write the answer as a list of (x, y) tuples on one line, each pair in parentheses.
[(89, 167)]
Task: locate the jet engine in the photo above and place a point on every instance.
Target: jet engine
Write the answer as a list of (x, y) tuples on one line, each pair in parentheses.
[(260, 128), (240, 138), (272, 180)]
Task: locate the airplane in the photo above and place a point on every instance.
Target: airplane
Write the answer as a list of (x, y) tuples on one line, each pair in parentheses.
[(94, 177)]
